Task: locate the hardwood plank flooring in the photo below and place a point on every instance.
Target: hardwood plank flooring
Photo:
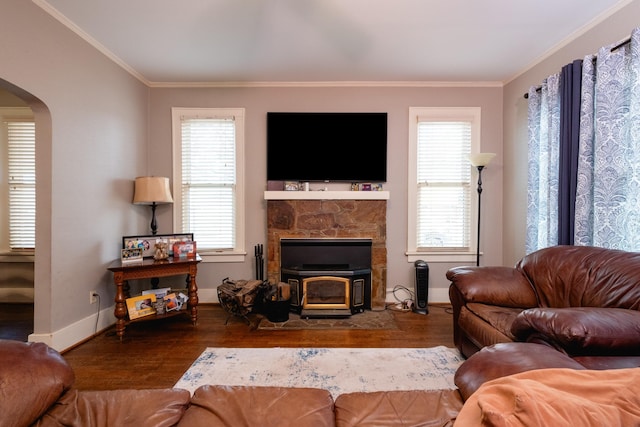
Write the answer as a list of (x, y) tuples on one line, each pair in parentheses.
[(16, 321), (156, 354)]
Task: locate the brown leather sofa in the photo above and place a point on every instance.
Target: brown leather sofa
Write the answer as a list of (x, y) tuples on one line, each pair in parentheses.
[(580, 301), (36, 388)]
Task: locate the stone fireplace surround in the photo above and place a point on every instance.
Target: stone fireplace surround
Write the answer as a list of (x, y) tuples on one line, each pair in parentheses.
[(334, 219)]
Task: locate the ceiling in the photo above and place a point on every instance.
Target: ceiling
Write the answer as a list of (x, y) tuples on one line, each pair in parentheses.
[(218, 41)]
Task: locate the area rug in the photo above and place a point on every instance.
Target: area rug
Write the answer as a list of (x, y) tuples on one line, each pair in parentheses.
[(369, 319), (339, 370)]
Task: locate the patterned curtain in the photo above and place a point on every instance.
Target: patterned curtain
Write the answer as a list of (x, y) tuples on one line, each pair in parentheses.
[(543, 165), (608, 191)]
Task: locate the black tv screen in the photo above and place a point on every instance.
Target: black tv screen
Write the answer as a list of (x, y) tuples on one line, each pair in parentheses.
[(338, 147)]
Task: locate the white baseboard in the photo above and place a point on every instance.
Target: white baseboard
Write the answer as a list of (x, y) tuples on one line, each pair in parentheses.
[(71, 335), (439, 296)]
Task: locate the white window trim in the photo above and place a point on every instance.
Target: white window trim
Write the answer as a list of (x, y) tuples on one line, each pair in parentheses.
[(437, 113), (238, 254)]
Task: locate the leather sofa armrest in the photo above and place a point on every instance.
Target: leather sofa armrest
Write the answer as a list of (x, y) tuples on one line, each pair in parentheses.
[(33, 376), (501, 286), (581, 330)]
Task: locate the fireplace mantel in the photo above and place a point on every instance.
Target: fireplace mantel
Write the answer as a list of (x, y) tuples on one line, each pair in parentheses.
[(326, 195)]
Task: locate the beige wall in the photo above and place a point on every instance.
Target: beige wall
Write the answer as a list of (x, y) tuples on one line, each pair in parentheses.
[(91, 143), (393, 100), (611, 30)]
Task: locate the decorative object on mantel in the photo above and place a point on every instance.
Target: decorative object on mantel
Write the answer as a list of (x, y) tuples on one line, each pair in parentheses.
[(152, 190), (327, 195), (366, 186), (291, 186), (480, 161)]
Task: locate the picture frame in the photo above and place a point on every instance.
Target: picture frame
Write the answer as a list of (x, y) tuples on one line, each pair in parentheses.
[(141, 306), (159, 293), (366, 186), (184, 249), (131, 256), (171, 302), (147, 242)]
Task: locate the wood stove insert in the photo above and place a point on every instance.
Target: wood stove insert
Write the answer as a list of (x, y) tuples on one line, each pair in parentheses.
[(328, 277)]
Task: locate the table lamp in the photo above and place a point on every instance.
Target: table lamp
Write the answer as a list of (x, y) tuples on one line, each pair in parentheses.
[(152, 190)]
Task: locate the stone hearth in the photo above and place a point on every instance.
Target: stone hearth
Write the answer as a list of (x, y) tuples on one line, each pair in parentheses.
[(317, 219)]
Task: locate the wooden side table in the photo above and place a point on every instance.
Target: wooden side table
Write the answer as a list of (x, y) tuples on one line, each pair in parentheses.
[(148, 269)]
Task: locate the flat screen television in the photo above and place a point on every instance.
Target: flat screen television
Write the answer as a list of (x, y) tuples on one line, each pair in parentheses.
[(330, 147)]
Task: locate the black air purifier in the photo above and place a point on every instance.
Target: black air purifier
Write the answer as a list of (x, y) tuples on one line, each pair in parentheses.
[(421, 287)]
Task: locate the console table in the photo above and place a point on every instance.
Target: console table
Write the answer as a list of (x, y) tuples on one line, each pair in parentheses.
[(148, 269)]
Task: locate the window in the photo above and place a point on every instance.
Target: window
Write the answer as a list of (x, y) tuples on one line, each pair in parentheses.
[(440, 196), (17, 137), (208, 157)]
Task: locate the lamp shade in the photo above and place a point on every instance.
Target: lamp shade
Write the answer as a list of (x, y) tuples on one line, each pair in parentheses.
[(481, 159), (151, 189)]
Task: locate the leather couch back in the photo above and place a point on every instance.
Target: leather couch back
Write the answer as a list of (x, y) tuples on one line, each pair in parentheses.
[(584, 276)]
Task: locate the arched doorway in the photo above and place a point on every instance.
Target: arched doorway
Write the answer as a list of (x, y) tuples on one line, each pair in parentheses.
[(20, 281)]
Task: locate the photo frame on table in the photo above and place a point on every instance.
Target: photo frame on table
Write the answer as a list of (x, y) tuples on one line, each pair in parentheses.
[(131, 255), (147, 242), (140, 306)]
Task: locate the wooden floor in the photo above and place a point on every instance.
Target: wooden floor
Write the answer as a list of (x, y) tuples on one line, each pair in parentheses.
[(16, 321), (156, 354)]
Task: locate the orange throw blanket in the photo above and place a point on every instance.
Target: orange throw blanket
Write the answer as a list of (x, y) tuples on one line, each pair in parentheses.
[(556, 397)]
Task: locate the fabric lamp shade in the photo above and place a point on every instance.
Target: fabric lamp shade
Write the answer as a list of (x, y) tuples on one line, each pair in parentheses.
[(152, 189), (481, 159)]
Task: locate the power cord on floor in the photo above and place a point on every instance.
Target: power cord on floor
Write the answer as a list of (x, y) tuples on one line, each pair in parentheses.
[(97, 295), (403, 304)]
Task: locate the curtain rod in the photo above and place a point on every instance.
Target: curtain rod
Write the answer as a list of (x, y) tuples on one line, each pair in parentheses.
[(613, 49)]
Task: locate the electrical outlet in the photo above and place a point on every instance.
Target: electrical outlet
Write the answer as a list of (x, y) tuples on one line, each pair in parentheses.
[(93, 297)]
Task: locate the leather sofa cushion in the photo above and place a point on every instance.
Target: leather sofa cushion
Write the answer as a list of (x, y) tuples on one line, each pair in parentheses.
[(505, 359), (500, 318), (557, 397), (106, 408), (238, 406), (582, 330), (398, 408), (32, 377)]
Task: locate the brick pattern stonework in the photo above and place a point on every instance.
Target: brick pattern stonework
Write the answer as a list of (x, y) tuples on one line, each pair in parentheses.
[(317, 219)]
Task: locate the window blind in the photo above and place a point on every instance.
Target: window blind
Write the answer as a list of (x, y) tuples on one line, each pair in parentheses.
[(209, 181), (22, 184), (443, 175)]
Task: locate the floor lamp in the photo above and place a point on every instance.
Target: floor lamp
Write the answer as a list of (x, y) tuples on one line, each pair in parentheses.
[(479, 161), (152, 190)]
